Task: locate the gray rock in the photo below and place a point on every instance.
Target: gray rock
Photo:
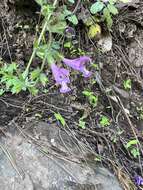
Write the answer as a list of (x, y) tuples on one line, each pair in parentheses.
[(45, 171)]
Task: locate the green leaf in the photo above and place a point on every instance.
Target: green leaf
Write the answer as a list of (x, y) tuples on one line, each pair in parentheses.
[(87, 93), (71, 1), (73, 19), (35, 74), (46, 10), (104, 121), (18, 86), (60, 118), (58, 28), (135, 152), (97, 7), (33, 90), (82, 124), (41, 2), (93, 100), (42, 51), (67, 44), (107, 17), (112, 9), (125, 1), (127, 84), (112, 2), (2, 91), (11, 68), (43, 79), (132, 142)]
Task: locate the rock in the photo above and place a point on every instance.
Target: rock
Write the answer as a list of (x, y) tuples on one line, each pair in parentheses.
[(135, 50), (48, 172), (105, 43)]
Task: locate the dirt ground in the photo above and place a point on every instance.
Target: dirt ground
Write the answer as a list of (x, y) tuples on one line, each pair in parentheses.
[(124, 108)]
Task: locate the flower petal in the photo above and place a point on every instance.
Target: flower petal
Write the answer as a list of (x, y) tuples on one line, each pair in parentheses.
[(79, 64), (61, 77), (64, 88)]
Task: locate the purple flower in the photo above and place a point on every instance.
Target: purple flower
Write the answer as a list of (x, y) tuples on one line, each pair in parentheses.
[(61, 76), (79, 64), (138, 180)]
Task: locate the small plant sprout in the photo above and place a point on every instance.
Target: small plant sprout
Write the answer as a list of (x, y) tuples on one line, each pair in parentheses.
[(133, 148), (127, 84), (104, 121), (93, 99), (82, 123), (60, 118)]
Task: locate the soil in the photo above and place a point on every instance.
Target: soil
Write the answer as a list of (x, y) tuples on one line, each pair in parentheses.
[(123, 108)]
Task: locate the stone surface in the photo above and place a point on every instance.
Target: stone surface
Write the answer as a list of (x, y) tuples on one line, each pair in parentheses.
[(40, 171), (105, 43), (135, 50)]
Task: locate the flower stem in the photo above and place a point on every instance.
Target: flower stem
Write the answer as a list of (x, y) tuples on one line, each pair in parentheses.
[(38, 42)]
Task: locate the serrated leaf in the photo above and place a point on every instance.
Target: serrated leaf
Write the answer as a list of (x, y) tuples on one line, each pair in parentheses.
[(43, 79), (33, 90), (35, 74), (11, 68), (18, 86), (96, 7)]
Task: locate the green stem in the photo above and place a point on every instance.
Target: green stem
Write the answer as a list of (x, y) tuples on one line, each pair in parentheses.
[(49, 46), (39, 40)]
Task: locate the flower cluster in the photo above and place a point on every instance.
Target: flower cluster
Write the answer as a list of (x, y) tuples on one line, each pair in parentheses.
[(139, 181), (61, 75)]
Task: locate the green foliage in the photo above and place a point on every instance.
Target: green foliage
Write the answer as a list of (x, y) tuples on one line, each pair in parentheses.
[(127, 84), (70, 16), (82, 123), (140, 112), (73, 19), (93, 100), (13, 81), (133, 148), (60, 118), (97, 7), (71, 1), (47, 48), (104, 121), (106, 10)]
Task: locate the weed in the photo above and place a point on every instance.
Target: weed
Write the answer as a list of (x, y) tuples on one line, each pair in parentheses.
[(104, 121), (133, 148), (93, 99), (56, 20), (60, 118), (127, 84)]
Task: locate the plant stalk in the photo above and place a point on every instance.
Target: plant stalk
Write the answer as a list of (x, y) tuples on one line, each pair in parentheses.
[(39, 40)]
